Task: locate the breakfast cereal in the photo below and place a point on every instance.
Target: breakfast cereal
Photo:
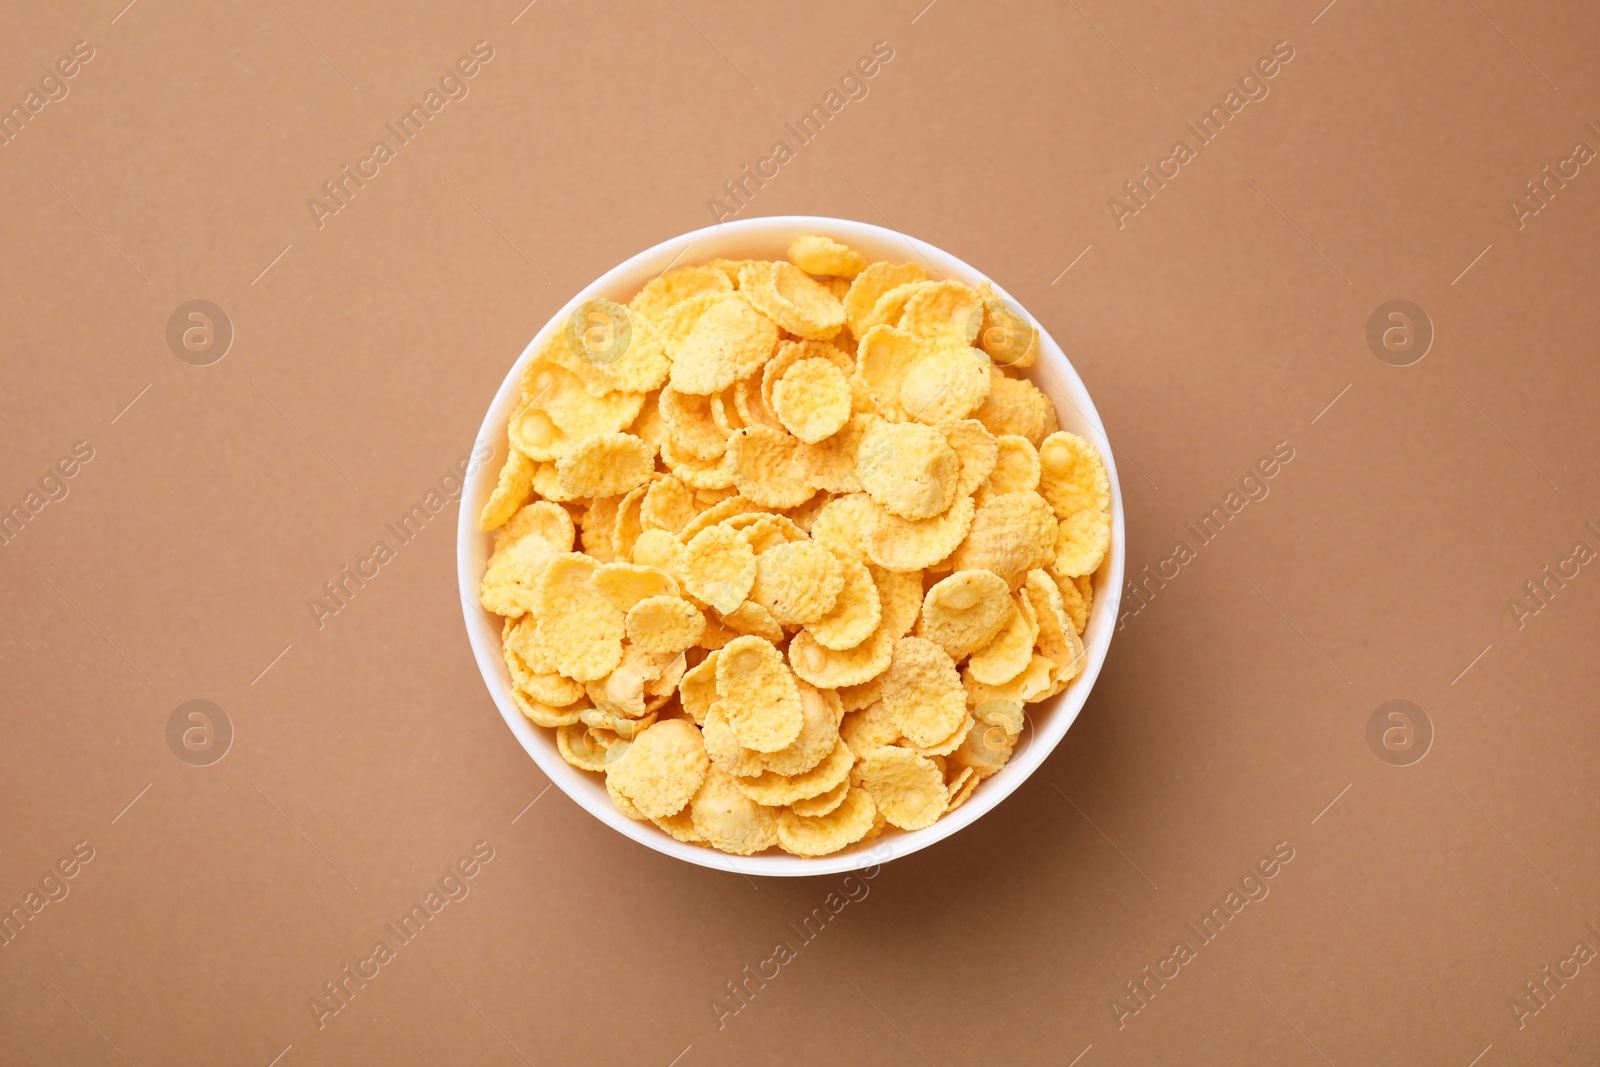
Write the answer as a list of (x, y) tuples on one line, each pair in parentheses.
[(783, 548)]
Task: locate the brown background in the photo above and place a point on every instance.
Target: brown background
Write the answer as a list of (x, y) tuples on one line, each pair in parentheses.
[(1222, 319)]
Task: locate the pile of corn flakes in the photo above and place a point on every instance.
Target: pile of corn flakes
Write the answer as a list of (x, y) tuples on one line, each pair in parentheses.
[(782, 549)]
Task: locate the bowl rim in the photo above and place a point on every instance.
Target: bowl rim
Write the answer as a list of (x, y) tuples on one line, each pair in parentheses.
[(1053, 372)]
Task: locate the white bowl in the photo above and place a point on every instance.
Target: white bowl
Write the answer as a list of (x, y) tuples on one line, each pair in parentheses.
[(768, 238)]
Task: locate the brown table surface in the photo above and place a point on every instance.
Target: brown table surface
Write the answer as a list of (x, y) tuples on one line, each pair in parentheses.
[(1227, 316)]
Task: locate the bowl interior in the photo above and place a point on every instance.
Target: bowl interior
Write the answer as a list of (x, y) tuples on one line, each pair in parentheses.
[(768, 238)]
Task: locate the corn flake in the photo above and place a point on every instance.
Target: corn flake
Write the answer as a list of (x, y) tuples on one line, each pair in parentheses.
[(870, 284), (578, 626), (812, 807), (1082, 542), (987, 748), (869, 729), (762, 531), (605, 464), (716, 635), (759, 694), (800, 305), (1006, 334), (668, 505), (845, 523), (1011, 534), (891, 305), (1073, 600), (551, 689), (678, 322), (663, 292), (940, 749), (900, 593), (626, 527), (571, 413), (943, 311), (830, 464), (855, 613), (681, 826), (846, 824), (1058, 638), (588, 749), (1016, 469), (950, 382), (513, 573), (960, 788), (885, 359), (531, 432), (753, 619), (731, 268), (1011, 650), (965, 611), (1072, 477), (753, 408), (595, 527), (815, 254), (723, 746), (548, 520), (1035, 683), (819, 732), (829, 669), (909, 789), (516, 482), (775, 790), (625, 584), (731, 340), (923, 692), (812, 400), (548, 487), (524, 655), (797, 581), (698, 689), (626, 727), (905, 545), (541, 714), (657, 548), (662, 768), (909, 469), (664, 624), (610, 349), (715, 513), (728, 820), (696, 473), (768, 467), (857, 697), (1015, 406), (718, 567), (691, 424)]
